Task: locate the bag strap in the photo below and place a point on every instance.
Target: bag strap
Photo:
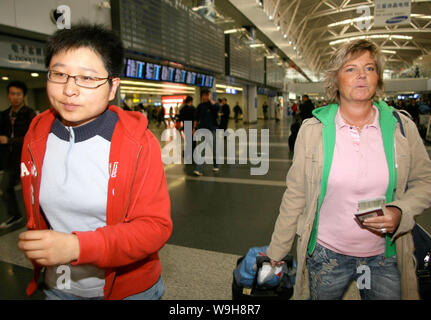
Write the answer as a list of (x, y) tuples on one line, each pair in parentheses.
[(397, 116)]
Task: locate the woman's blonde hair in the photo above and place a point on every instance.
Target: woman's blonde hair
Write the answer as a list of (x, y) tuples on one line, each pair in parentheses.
[(341, 56)]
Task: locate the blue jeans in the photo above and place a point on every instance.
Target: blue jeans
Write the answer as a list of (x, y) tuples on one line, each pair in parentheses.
[(331, 273), (154, 293)]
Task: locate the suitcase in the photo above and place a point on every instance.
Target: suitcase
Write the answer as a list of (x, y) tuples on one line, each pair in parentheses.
[(256, 292), (422, 241)]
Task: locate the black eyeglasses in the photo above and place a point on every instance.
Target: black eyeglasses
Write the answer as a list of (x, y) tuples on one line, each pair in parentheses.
[(82, 81)]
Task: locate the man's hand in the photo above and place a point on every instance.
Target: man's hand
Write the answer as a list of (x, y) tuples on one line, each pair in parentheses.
[(48, 247), (3, 139), (387, 223)]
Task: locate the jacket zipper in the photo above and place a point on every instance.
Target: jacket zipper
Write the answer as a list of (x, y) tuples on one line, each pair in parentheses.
[(33, 191), (125, 211)]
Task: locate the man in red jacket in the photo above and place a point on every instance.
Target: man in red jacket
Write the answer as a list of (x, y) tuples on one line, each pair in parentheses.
[(95, 193)]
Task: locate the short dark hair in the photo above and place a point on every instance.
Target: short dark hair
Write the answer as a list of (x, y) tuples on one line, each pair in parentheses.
[(204, 91), (18, 84), (188, 99), (96, 37)]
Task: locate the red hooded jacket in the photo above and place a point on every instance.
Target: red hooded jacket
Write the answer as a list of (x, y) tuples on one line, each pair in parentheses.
[(138, 208)]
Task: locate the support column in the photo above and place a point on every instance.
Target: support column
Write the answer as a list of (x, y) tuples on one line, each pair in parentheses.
[(250, 109)]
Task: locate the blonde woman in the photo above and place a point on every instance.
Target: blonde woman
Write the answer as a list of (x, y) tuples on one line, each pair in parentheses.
[(355, 149)]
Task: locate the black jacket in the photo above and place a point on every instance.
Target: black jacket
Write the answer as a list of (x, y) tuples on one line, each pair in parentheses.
[(187, 113), (306, 110), (11, 152), (225, 109), (206, 116)]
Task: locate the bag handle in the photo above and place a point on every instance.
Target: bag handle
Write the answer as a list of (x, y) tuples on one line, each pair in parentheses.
[(260, 260)]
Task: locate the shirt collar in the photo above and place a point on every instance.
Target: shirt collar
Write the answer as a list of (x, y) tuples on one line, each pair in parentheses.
[(340, 123), (103, 126)]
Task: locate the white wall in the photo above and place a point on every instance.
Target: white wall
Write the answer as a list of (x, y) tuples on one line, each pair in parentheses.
[(34, 15)]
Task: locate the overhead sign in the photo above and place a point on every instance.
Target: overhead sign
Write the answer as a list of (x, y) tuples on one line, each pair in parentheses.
[(22, 54), (391, 12), (231, 90), (151, 71)]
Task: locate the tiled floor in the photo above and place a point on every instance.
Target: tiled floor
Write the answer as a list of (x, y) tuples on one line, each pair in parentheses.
[(217, 218)]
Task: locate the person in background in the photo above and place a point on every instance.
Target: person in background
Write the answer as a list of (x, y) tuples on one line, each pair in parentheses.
[(218, 104), (424, 108), (265, 111), (355, 149), (294, 108), (206, 118), (161, 116), (224, 114), (125, 107), (93, 182), (413, 109), (399, 105), (306, 108), (187, 113), (237, 111), (14, 123)]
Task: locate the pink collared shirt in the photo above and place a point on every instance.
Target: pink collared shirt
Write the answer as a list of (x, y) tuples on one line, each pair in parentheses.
[(359, 171)]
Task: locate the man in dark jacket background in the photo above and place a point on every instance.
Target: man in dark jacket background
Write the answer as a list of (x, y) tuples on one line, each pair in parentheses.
[(206, 118), (187, 113), (306, 108), (14, 123)]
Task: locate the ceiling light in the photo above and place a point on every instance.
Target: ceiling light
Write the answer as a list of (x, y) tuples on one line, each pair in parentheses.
[(420, 16), (257, 45), (34, 74), (285, 37), (350, 21), (389, 51), (199, 8), (374, 36), (270, 17), (5, 78), (234, 30)]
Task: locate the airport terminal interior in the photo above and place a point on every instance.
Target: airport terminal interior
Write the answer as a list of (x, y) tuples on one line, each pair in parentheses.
[(250, 52)]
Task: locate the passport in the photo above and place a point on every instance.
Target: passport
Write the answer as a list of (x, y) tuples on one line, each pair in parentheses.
[(370, 208)]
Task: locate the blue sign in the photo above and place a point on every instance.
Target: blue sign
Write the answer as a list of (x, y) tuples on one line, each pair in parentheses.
[(396, 19), (150, 71)]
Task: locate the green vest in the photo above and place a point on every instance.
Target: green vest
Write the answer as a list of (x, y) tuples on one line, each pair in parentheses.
[(388, 123)]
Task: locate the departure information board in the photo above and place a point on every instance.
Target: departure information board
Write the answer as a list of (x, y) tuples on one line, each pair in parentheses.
[(153, 71), (168, 29)]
